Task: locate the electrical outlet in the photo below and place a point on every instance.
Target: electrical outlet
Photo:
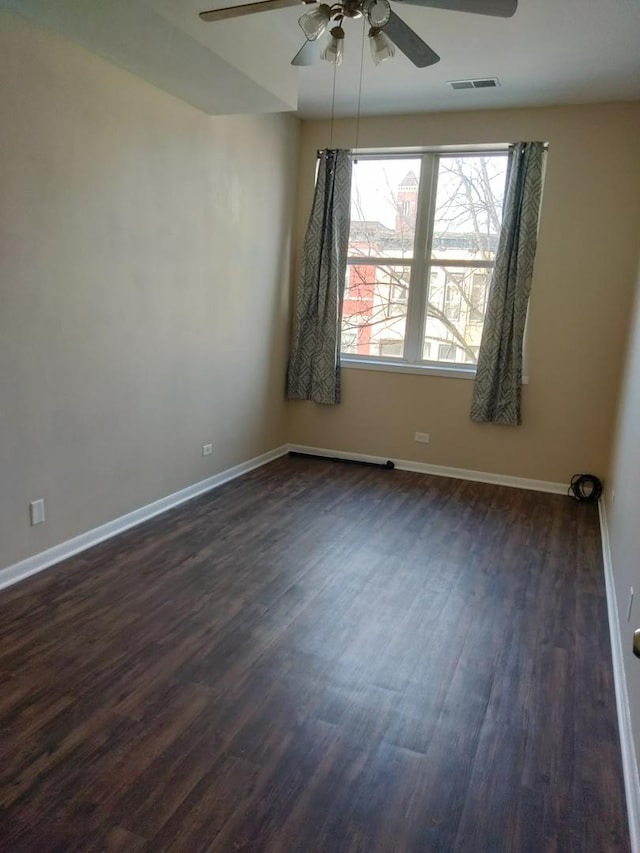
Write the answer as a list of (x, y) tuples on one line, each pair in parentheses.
[(207, 449), (422, 437), (36, 512), (630, 605)]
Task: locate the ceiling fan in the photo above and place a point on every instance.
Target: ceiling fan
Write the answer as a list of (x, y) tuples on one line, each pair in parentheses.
[(386, 29)]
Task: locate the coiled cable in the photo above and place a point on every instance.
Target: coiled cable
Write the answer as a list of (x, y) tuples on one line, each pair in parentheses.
[(585, 488)]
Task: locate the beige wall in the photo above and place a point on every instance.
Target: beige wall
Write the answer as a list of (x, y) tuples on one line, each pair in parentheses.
[(581, 297), (624, 517), (144, 289), (144, 301)]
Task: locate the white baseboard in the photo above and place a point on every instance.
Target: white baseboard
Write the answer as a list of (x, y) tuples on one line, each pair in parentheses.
[(442, 470), (629, 763), (46, 559)]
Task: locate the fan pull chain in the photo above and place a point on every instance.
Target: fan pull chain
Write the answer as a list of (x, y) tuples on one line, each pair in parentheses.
[(355, 150), (333, 106)]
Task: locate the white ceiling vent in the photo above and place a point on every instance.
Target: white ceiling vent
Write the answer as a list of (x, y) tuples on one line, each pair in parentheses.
[(480, 83)]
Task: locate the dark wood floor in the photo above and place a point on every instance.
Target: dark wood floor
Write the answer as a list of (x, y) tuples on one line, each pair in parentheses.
[(318, 657)]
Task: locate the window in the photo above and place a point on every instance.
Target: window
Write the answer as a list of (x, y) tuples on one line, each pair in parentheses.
[(390, 348), (454, 289), (424, 232), (479, 288), (447, 352)]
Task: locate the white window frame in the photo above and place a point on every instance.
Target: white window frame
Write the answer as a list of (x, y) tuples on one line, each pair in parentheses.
[(420, 264)]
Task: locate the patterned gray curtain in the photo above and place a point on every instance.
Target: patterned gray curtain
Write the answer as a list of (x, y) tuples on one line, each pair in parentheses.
[(314, 363), (497, 387)]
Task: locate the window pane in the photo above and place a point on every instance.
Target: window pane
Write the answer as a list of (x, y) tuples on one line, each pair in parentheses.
[(384, 202), (446, 352), (468, 210), (455, 313), (374, 310)]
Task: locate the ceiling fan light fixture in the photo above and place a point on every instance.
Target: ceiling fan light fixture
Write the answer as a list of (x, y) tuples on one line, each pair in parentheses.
[(334, 49), (378, 12), (314, 23), (381, 46)]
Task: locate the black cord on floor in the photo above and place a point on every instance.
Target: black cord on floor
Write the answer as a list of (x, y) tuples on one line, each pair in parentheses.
[(585, 487), (297, 455)]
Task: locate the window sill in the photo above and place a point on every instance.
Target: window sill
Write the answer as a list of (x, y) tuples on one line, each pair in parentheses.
[(458, 372), (400, 367)]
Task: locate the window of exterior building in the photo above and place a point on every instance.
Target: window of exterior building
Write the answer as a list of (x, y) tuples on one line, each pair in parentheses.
[(454, 288), (447, 352), (392, 348), (424, 232)]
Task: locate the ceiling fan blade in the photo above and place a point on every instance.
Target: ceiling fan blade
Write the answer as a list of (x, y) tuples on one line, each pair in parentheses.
[(247, 9), (498, 8), (409, 42), (308, 53)]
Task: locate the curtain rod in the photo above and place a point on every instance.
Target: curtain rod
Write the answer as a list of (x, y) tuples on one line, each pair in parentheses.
[(389, 154)]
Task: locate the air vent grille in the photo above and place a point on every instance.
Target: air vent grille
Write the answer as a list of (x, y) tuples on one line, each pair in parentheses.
[(480, 83)]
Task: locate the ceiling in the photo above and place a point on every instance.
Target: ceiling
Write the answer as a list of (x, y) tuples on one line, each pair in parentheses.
[(550, 52)]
